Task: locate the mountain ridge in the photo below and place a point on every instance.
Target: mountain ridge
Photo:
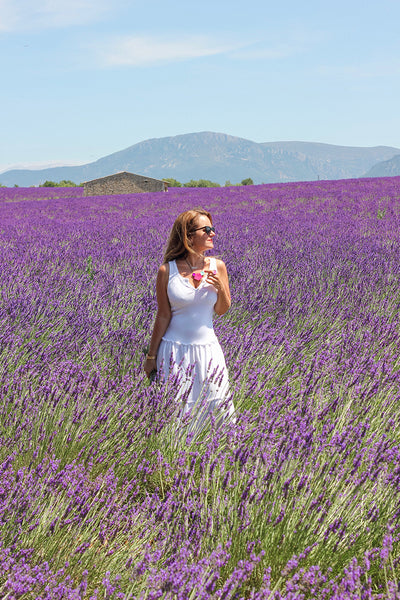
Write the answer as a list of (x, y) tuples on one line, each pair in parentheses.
[(387, 168), (218, 157)]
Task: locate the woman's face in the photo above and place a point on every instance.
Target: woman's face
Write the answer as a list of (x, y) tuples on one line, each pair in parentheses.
[(202, 241)]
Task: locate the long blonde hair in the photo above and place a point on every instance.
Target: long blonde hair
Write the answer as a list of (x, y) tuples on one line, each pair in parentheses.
[(179, 243)]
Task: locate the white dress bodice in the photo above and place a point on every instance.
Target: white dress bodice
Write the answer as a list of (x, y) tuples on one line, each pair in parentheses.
[(192, 308)]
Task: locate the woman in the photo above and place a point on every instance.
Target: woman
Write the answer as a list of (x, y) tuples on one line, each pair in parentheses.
[(190, 288)]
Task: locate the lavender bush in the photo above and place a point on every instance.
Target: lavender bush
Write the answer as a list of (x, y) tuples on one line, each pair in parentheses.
[(105, 493)]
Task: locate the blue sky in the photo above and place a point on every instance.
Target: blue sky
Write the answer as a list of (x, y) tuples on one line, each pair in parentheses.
[(84, 78)]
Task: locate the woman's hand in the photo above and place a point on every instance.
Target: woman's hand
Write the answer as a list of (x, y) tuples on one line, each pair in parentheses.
[(213, 278), (150, 365)]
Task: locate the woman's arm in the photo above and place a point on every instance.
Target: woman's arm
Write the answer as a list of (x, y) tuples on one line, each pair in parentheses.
[(221, 283), (162, 320)]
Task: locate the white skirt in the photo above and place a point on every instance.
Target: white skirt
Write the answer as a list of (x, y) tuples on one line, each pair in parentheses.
[(199, 375)]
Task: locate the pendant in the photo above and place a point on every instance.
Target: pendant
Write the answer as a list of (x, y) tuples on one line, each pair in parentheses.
[(198, 276)]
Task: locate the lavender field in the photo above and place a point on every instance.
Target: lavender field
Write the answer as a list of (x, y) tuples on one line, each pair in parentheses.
[(105, 494)]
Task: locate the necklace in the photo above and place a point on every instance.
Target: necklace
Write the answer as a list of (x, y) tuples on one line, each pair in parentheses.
[(196, 276)]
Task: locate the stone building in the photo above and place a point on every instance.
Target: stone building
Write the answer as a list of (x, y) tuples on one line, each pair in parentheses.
[(123, 183)]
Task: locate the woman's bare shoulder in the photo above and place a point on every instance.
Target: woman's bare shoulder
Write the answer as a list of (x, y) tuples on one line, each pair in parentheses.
[(163, 271), (164, 268), (220, 264), (219, 261)]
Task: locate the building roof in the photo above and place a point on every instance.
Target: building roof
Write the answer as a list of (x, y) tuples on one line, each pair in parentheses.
[(125, 173)]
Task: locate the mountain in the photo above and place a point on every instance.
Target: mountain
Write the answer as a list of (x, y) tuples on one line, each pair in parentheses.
[(387, 168), (218, 157)]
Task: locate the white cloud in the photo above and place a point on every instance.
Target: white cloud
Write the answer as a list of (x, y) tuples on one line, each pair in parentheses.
[(27, 15), (140, 51), (268, 53), (285, 44)]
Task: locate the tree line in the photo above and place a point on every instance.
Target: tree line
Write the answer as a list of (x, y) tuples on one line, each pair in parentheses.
[(193, 183), (63, 183), (205, 183), (171, 182)]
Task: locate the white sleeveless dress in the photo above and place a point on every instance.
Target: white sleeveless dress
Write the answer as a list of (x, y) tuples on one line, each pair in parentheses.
[(190, 349)]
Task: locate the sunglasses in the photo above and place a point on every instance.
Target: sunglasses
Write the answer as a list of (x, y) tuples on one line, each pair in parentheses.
[(207, 229)]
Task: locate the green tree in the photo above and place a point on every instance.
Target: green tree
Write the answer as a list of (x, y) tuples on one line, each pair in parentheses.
[(48, 184), (247, 181), (63, 183), (66, 183), (173, 182), (201, 183)]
